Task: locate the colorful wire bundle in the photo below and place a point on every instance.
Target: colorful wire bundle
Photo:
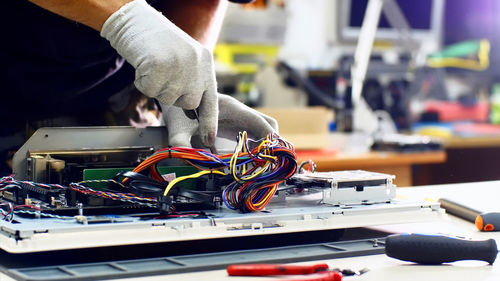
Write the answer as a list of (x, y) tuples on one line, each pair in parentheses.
[(256, 168), (25, 209), (255, 184), (9, 181), (120, 196), (256, 171)]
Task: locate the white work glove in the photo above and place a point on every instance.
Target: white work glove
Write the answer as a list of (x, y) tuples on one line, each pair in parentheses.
[(234, 117), (169, 65)]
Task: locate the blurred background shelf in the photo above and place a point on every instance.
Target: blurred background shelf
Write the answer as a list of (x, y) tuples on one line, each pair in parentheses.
[(399, 164)]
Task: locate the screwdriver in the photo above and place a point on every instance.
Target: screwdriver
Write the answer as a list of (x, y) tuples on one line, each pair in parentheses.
[(488, 221), (437, 249), (484, 221)]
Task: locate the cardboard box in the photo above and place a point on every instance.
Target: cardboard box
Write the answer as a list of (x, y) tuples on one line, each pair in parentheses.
[(307, 128)]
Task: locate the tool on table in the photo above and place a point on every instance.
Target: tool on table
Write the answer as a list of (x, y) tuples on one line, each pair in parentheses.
[(314, 272), (437, 249), (193, 114), (489, 221), (455, 208)]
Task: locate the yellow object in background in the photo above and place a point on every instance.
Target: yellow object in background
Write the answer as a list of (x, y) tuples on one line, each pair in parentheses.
[(473, 55), (434, 131), (495, 104), (245, 58)]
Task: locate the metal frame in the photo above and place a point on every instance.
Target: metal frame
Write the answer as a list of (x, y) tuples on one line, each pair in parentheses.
[(297, 214), (198, 262), (304, 212), (86, 138)]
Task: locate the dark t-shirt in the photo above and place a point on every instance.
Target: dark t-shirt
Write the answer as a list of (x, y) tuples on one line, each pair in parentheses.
[(53, 66), (49, 61)]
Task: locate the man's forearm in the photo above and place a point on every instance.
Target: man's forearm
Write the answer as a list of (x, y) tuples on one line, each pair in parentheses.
[(201, 19), (92, 13)]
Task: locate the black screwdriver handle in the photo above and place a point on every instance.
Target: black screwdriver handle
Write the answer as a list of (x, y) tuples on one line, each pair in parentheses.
[(435, 249)]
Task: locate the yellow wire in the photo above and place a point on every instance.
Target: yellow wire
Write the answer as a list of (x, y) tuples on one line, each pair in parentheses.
[(199, 174), (244, 149), (259, 171), (273, 158), (241, 147), (264, 153), (234, 158), (263, 200)]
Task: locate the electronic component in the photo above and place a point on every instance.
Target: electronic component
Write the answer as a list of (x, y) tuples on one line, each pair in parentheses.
[(65, 166), (67, 183), (23, 192), (215, 196), (348, 187)]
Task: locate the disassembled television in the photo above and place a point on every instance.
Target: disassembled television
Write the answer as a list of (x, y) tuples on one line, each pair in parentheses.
[(108, 186)]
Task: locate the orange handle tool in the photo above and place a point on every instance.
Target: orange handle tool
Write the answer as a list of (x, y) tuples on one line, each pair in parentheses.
[(488, 221)]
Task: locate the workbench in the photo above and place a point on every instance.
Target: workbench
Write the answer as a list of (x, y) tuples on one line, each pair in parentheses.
[(385, 268), (395, 163), (382, 267), (352, 152)]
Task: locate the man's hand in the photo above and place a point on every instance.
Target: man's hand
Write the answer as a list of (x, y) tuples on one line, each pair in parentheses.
[(234, 117), (170, 65)]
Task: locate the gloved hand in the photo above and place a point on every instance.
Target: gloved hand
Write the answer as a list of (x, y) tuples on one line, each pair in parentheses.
[(234, 117), (169, 65)]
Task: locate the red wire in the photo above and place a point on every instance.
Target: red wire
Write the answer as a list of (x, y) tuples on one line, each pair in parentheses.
[(27, 206)]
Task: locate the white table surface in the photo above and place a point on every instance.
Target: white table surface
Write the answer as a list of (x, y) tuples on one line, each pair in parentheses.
[(387, 269)]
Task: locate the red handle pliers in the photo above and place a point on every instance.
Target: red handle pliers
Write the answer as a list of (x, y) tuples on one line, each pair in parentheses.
[(314, 272)]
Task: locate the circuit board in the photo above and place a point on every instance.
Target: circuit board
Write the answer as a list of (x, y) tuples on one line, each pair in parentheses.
[(98, 181), (106, 196)]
